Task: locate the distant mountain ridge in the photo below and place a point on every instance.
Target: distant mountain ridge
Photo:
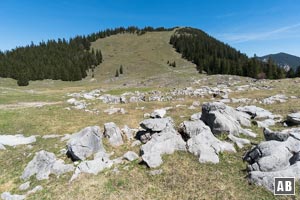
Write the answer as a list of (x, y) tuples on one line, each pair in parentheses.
[(283, 59)]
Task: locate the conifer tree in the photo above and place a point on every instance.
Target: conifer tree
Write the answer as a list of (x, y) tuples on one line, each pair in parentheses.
[(121, 69)]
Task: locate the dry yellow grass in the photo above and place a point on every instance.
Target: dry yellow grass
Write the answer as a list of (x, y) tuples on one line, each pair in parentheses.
[(144, 59)]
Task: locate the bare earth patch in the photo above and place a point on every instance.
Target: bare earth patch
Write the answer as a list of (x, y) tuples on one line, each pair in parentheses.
[(28, 105)]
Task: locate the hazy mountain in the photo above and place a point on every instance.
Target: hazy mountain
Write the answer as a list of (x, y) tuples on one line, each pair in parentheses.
[(283, 59)]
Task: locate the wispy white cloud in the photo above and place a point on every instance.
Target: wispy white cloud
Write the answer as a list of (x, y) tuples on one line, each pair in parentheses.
[(281, 32)]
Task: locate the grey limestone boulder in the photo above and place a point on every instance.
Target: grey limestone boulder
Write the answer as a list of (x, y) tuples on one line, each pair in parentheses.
[(224, 119), (113, 133), (101, 161), (157, 125), (158, 113), (278, 157), (43, 164), (202, 143), (14, 140), (293, 118), (164, 142), (128, 132), (84, 143), (130, 156), (9, 196), (24, 186)]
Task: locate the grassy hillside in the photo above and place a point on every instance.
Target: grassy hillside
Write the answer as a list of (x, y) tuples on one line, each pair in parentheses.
[(144, 59)]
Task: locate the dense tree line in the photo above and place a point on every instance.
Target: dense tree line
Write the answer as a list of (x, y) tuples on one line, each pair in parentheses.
[(292, 73), (215, 57), (61, 59)]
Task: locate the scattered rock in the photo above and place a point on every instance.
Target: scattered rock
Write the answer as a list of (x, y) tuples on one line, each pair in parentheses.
[(293, 119), (156, 125), (266, 123), (281, 135), (130, 156), (136, 143), (35, 189), (156, 172), (24, 186), (128, 132), (256, 112), (2, 147), (101, 161), (278, 157), (110, 99), (8, 196), (84, 143), (196, 116), (113, 110), (14, 140), (113, 133), (164, 140), (158, 113), (51, 136), (224, 119), (202, 143), (281, 98), (43, 164), (79, 105)]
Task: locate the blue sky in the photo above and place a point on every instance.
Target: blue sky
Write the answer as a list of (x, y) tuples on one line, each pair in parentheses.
[(256, 26)]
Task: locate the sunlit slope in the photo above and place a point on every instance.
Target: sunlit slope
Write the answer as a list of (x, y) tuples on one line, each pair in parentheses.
[(144, 58)]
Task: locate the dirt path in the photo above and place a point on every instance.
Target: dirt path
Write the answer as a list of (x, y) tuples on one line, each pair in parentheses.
[(19, 105)]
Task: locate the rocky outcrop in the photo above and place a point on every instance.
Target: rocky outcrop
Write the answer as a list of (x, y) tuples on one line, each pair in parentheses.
[(163, 139), (224, 119), (14, 140), (165, 142), (100, 162), (9, 196), (113, 133), (202, 143), (293, 119), (43, 164), (128, 132), (84, 143), (130, 156), (277, 157), (158, 113)]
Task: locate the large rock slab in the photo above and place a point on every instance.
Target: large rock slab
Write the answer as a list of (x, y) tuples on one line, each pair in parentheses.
[(157, 125), (14, 140), (84, 143), (225, 119), (293, 119), (202, 143), (101, 161), (113, 133), (278, 157), (158, 113), (9, 196), (256, 112), (128, 132), (165, 142), (43, 164), (266, 179)]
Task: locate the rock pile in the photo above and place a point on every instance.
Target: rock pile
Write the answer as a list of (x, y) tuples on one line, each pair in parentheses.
[(276, 157), (160, 137), (43, 164), (202, 143)]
